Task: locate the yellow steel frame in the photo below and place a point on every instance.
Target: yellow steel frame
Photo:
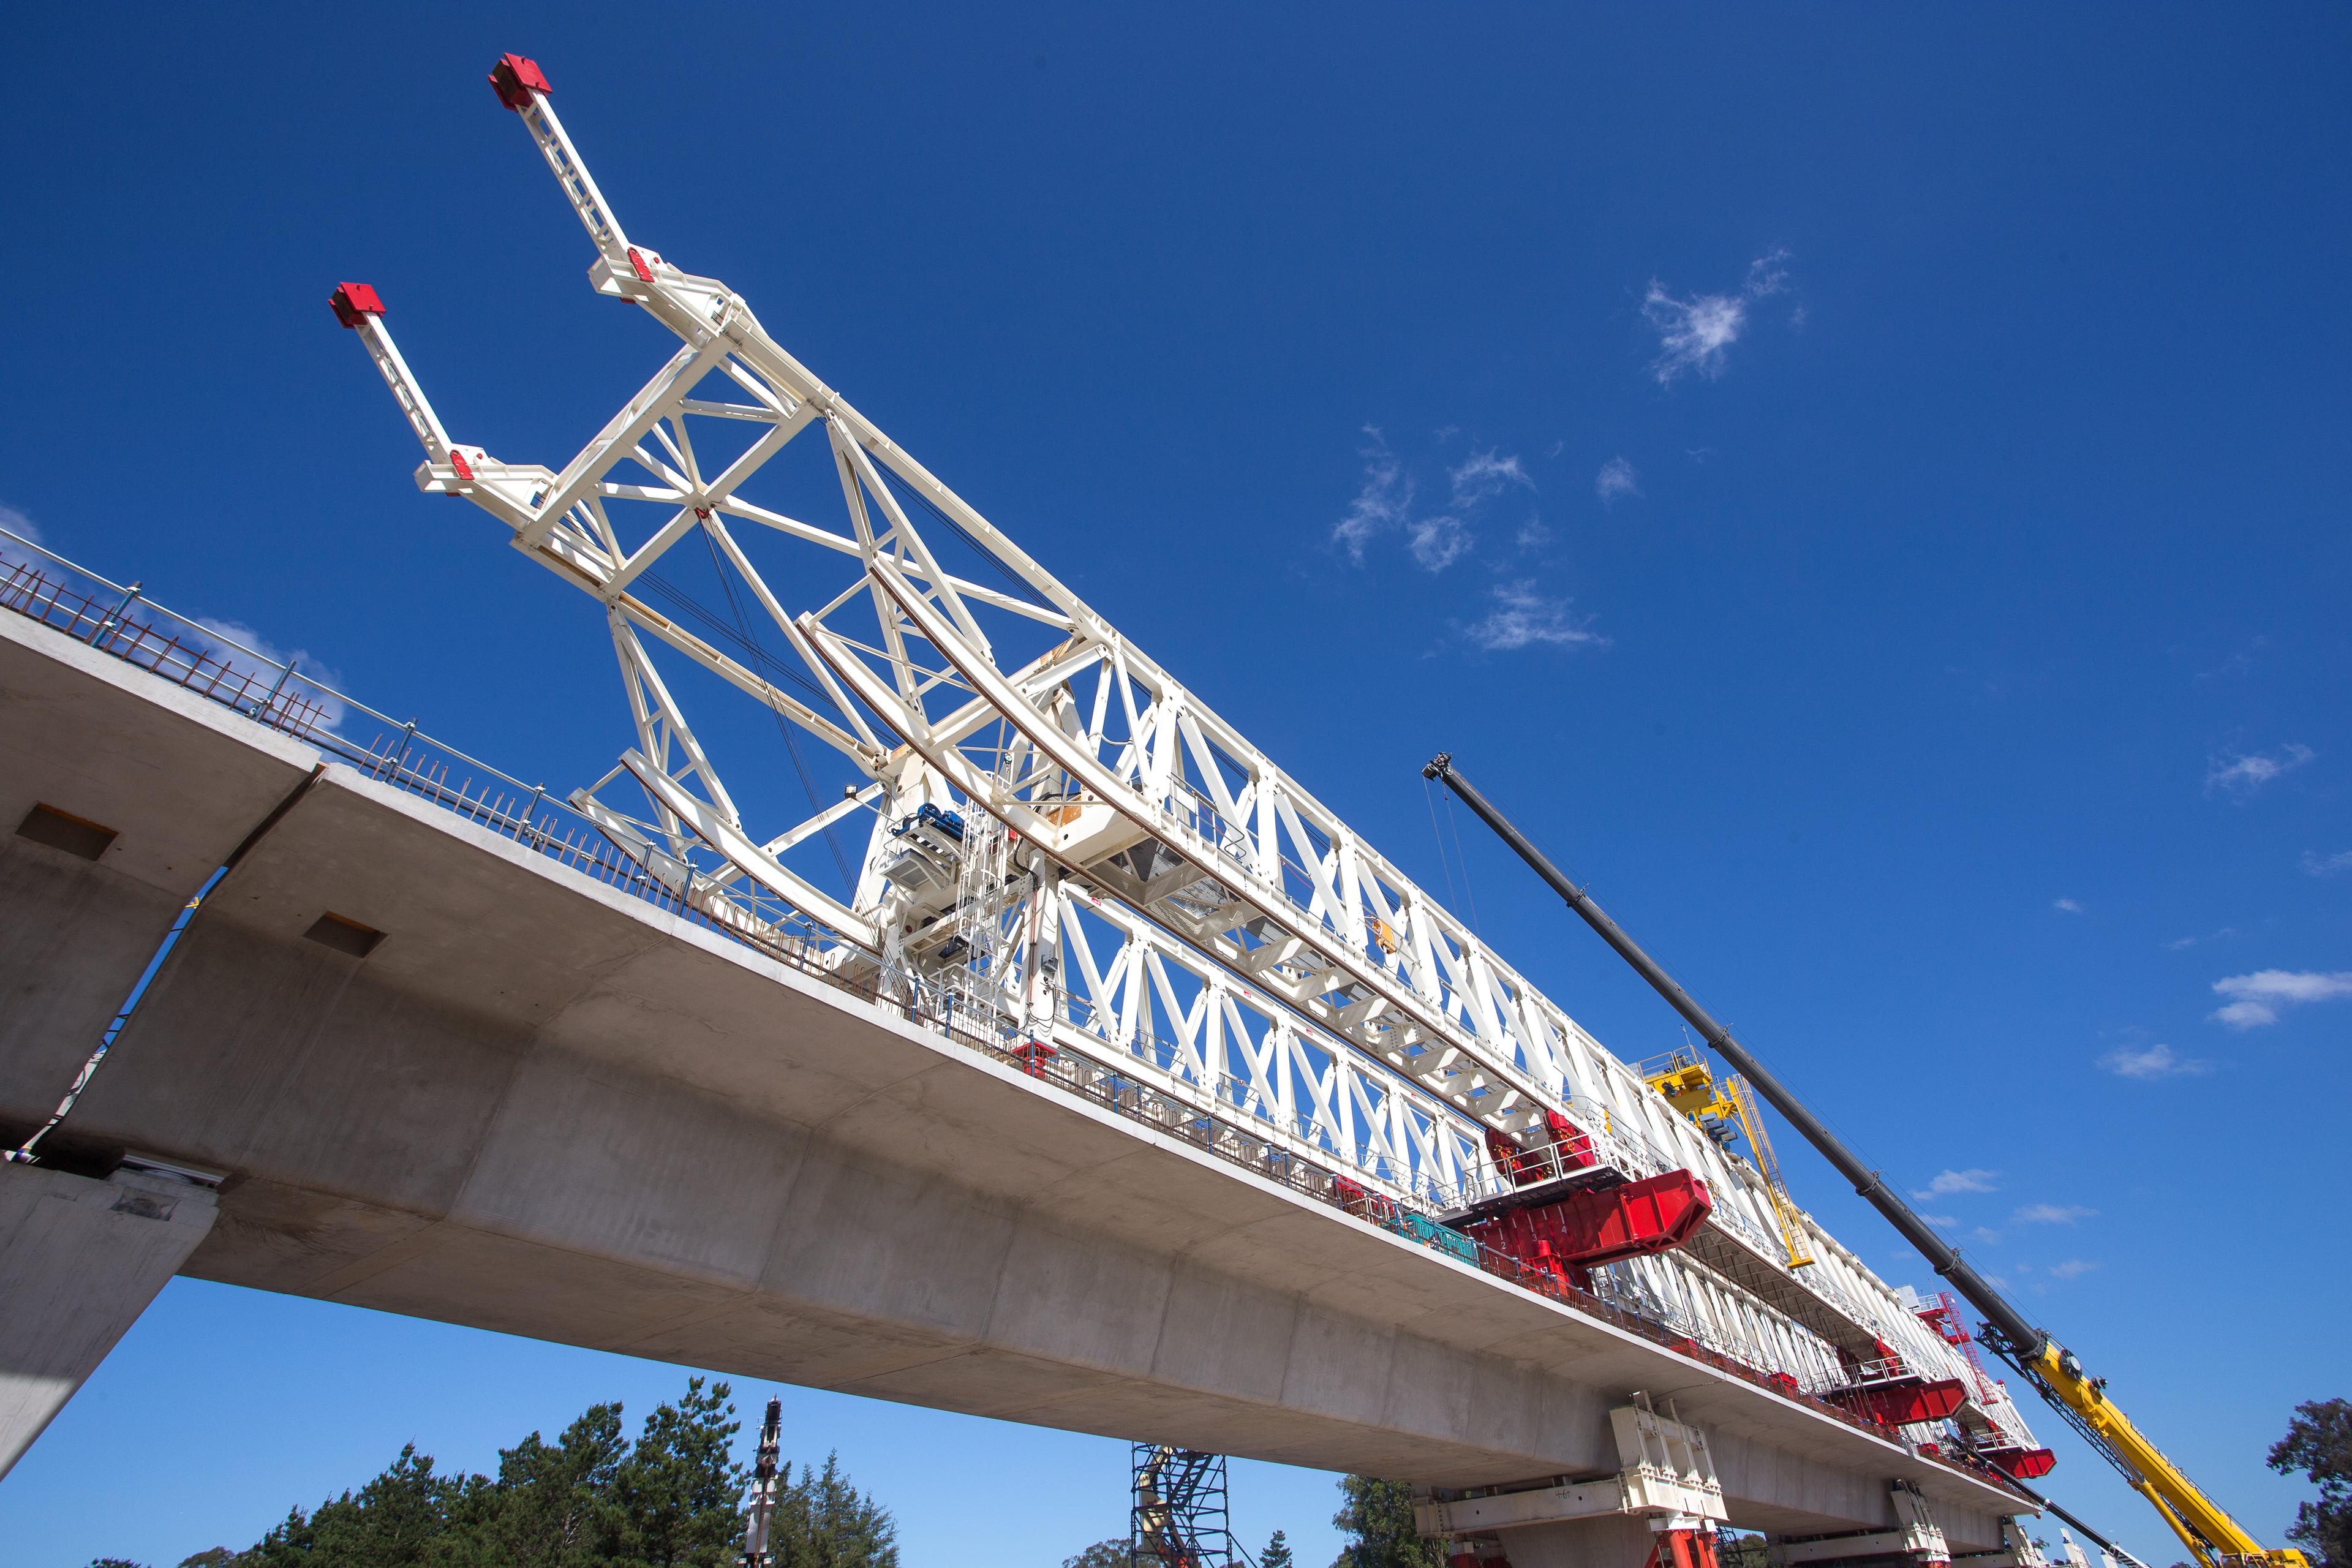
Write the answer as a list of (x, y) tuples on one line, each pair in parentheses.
[(1690, 1087)]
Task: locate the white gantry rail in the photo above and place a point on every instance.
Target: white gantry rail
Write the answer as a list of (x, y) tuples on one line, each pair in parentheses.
[(1060, 835)]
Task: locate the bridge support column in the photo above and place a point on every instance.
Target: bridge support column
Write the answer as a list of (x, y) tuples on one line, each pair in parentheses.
[(79, 1260)]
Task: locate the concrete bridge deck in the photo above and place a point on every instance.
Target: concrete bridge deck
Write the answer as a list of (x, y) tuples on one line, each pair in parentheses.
[(545, 1107)]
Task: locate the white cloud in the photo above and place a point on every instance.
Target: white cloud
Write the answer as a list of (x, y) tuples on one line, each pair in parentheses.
[(2051, 1213), (2181, 943), (1533, 534), (1767, 275), (1695, 334), (2238, 663), (1484, 475), (17, 522), (1616, 479), (2255, 999), (2073, 1269), (1692, 334), (1383, 501), (1942, 1219), (2067, 905), (2240, 775), (2318, 865), (1437, 542), (2153, 1062), (1947, 1181), (1987, 1237), (1523, 618), (309, 671)]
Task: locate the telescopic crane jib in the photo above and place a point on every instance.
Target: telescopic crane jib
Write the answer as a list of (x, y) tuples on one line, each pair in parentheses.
[(2211, 1536)]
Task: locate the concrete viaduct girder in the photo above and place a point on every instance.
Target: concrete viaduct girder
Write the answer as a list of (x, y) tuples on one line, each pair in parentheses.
[(544, 1107)]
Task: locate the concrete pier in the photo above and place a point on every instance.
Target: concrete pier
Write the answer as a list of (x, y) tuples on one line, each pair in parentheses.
[(79, 1260)]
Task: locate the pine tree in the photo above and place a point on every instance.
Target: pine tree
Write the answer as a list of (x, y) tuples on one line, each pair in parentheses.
[(1377, 1518), (552, 1506), (1276, 1553), (823, 1521), (399, 1519), (2318, 1442), (677, 1493)]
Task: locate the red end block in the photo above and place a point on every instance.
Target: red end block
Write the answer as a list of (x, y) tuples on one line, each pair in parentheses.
[(515, 79), (1596, 1227), (352, 300), (2024, 1464)]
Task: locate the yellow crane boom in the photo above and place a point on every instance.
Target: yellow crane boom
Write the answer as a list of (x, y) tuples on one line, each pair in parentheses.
[(2204, 1527)]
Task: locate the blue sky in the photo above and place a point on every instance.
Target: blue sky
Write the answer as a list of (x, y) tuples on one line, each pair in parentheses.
[(1868, 493)]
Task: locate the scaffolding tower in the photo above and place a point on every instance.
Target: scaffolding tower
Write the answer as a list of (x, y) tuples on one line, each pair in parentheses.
[(1179, 1519)]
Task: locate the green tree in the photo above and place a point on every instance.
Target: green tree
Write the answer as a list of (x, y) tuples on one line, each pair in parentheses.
[(553, 1506), (588, 1499), (1740, 1550), (2318, 1442), (1377, 1518), (677, 1494), (823, 1521), (399, 1519), (1277, 1553), (1113, 1554), (114, 1562), (210, 1557)]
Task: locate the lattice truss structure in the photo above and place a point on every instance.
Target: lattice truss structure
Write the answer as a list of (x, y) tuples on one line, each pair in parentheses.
[(1063, 844)]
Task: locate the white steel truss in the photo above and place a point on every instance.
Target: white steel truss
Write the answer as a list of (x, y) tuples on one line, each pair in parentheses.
[(1063, 840)]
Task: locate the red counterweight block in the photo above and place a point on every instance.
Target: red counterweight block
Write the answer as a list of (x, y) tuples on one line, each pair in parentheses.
[(515, 79), (1595, 1226)]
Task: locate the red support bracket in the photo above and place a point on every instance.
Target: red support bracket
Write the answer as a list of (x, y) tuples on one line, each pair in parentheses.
[(1906, 1404)]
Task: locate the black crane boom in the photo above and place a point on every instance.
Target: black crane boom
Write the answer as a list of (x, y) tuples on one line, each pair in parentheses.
[(1940, 1255)]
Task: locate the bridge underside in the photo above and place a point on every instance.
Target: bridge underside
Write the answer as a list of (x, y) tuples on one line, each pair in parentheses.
[(544, 1107)]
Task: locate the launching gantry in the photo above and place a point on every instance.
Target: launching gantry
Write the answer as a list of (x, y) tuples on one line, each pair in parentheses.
[(1065, 846)]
